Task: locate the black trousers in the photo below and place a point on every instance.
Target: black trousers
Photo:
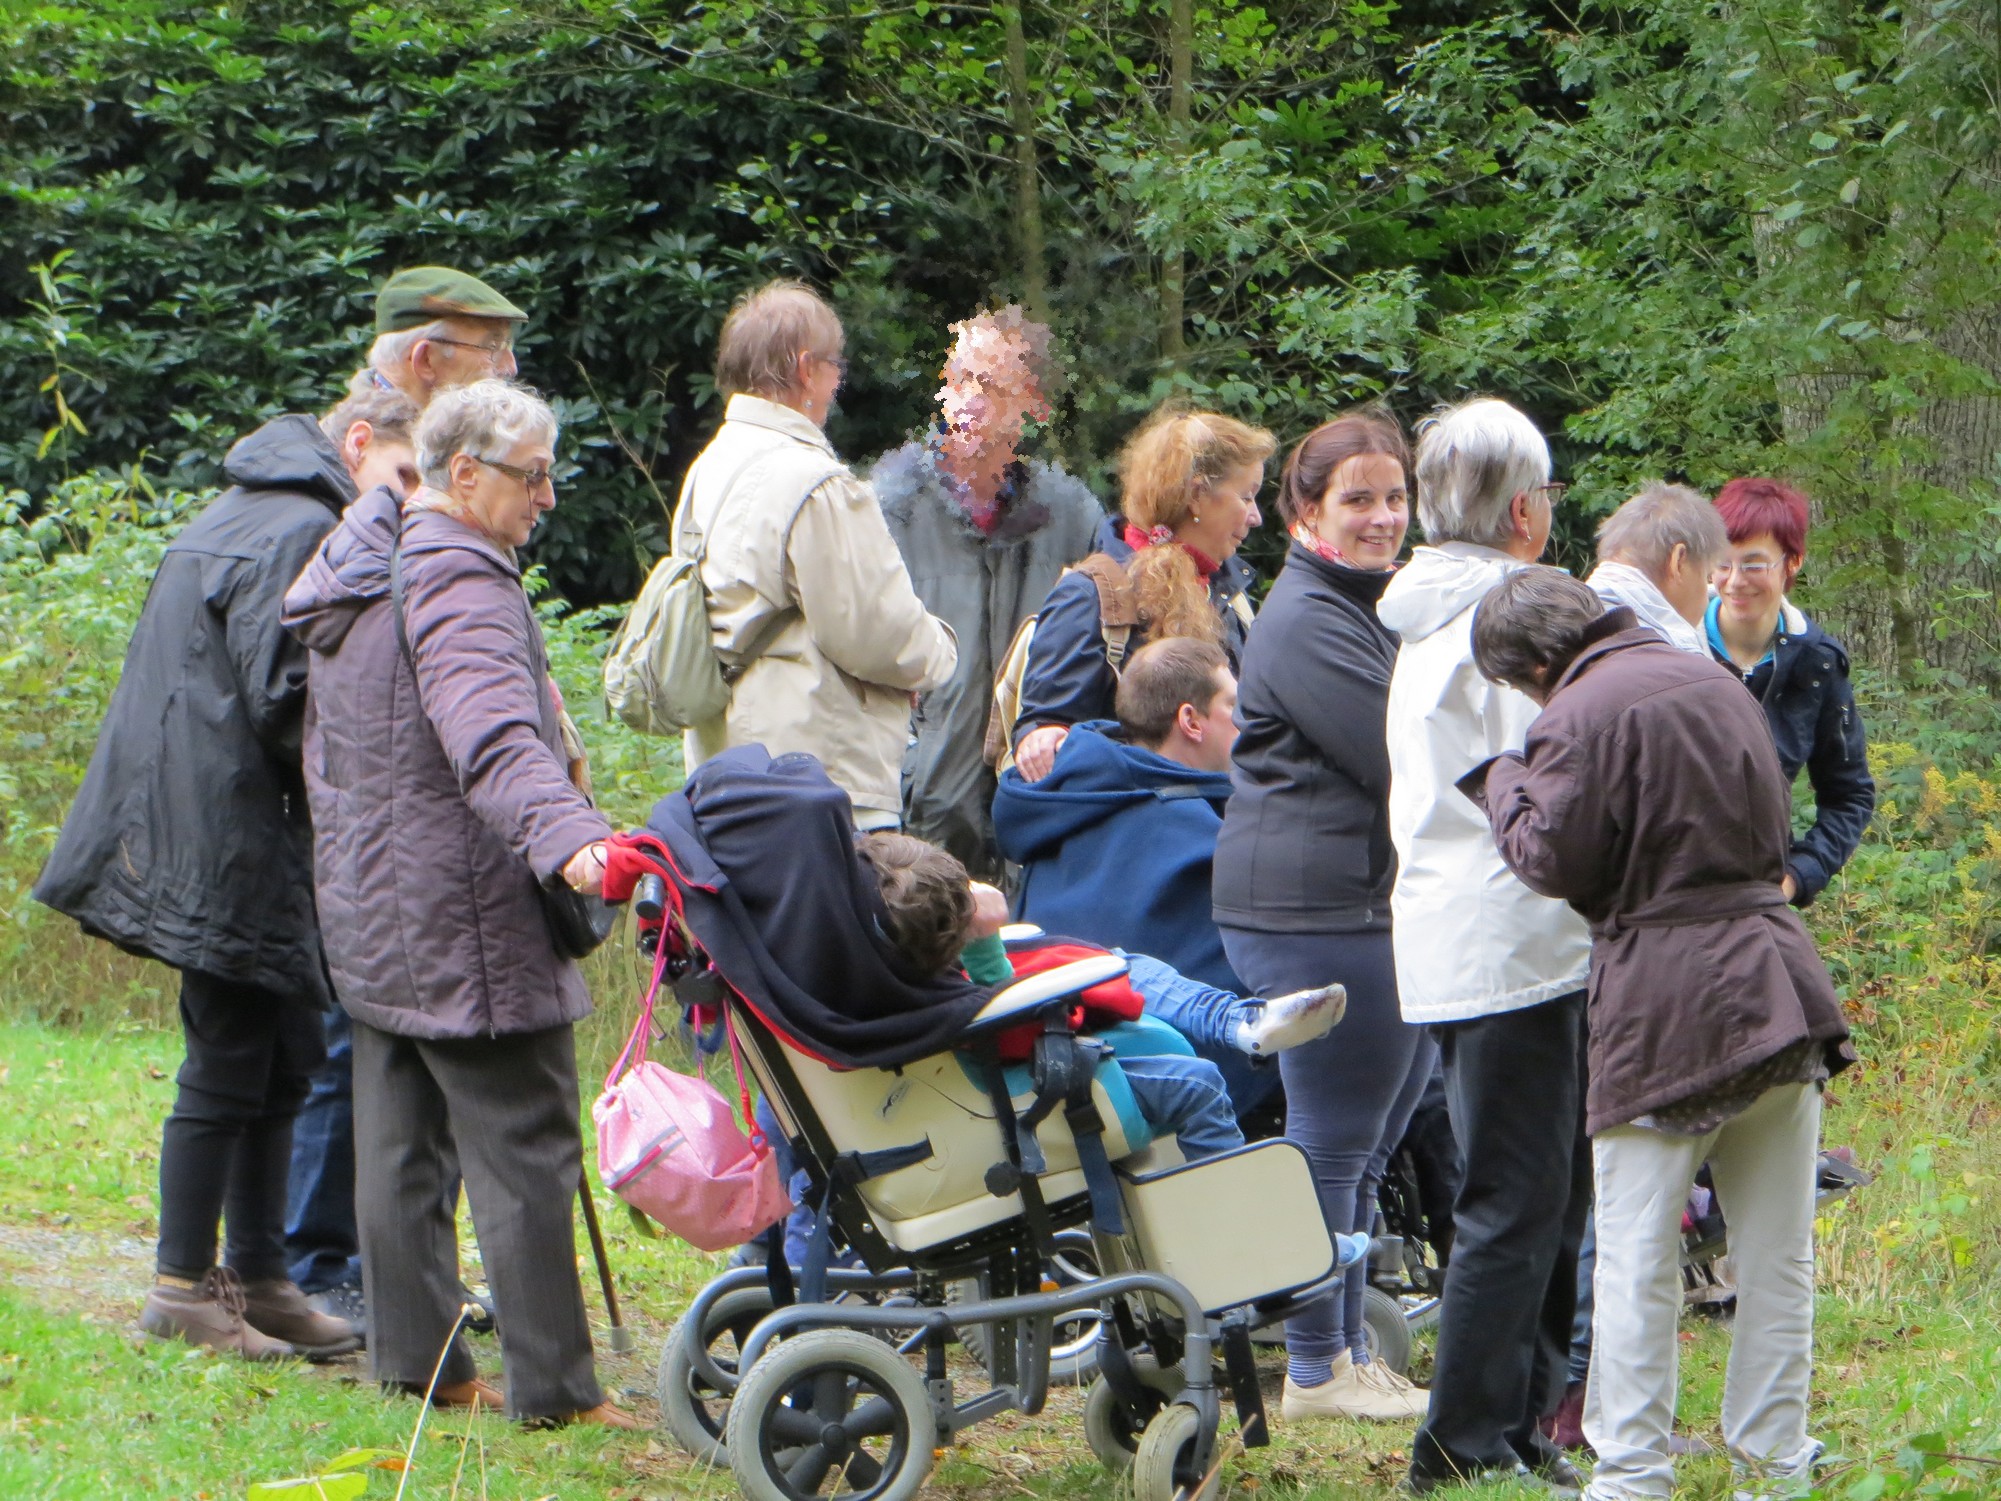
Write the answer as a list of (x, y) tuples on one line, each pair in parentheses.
[(227, 1144), (1515, 1087), (511, 1105)]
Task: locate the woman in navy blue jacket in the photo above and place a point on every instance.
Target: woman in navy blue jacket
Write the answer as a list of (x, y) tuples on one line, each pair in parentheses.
[(1796, 670), (1189, 485), (1304, 867)]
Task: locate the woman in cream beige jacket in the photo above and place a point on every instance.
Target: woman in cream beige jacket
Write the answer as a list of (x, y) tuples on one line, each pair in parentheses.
[(820, 633)]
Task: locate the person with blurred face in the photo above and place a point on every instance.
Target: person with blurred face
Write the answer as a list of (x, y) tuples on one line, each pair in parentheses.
[(985, 532), (437, 328), (1189, 484), (1796, 670), (1304, 867)]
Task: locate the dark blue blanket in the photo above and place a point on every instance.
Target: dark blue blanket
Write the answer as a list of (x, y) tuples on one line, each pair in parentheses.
[(792, 917)]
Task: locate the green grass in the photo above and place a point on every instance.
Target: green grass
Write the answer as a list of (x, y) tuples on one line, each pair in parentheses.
[(90, 1410)]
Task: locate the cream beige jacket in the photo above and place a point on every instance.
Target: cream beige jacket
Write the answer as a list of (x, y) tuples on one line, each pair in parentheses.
[(804, 580)]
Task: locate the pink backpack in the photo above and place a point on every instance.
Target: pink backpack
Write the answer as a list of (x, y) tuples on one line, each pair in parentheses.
[(669, 1145)]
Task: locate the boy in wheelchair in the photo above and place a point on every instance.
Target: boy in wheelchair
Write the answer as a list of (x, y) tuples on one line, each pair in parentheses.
[(939, 918)]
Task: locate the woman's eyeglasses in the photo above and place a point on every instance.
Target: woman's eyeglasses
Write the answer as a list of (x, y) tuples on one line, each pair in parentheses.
[(1755, 572), (534, 479)]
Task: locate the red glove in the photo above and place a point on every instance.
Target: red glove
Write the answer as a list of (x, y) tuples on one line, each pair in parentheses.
[(627, 857)]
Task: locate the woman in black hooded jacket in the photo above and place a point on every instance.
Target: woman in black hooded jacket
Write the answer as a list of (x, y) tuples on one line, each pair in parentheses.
[(1304, 866)]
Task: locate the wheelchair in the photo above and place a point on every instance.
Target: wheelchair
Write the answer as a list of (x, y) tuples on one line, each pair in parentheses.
[(958, 1179)]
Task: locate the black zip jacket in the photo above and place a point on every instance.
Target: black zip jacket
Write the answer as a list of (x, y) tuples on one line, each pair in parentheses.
[(1305, 846), (1810, 706), (189, 841)]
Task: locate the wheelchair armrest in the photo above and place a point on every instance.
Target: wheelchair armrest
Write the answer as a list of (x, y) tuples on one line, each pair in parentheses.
[(1019, 932), (1018, 1000)]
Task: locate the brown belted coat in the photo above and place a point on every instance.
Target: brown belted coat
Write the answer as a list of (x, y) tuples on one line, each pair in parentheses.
[(1649, 797)]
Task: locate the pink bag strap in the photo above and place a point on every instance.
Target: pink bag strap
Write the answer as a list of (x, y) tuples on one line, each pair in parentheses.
[(758, 1143), (634, 1051)]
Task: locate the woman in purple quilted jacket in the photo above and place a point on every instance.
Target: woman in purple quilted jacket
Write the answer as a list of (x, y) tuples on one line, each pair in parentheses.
[(441, 801)]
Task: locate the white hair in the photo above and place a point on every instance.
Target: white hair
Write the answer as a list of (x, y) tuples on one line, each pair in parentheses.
[(389, 351), (485, 419), (1472, 460), (1644, 531)]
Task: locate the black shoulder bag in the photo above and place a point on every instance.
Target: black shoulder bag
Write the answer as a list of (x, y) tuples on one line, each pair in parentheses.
[(577, 923)]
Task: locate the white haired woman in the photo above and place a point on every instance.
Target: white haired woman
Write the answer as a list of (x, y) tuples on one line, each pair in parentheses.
[(441, 801), (1497, 971)]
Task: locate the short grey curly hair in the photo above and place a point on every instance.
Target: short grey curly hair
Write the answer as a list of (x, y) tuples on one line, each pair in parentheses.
[(484, 419), (1646, 529), (1531, 626), (1472, 459)]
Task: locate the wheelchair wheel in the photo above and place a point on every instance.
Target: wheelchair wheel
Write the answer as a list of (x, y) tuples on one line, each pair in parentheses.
[(1386, 1329), (690, 1408), (1173, 1459), (833, 1411), (1108, 1428), (1073, 1342)]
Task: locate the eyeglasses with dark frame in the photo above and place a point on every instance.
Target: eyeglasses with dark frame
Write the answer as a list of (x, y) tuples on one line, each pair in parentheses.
[(1554, 491), (534, 479)]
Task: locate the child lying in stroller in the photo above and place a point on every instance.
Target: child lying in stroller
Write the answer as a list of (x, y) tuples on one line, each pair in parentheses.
[(939, 918)]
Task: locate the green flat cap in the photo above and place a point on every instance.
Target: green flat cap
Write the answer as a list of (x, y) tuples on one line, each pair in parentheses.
[(421, 294)]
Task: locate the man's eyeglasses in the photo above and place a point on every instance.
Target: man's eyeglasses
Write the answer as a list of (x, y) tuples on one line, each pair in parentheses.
[(1755, 572), (493, 352), (534, 479)]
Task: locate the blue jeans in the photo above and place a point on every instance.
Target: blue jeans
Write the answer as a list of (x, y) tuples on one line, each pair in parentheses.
[(1185, 1097), (322, 1245), (1208, 1018)]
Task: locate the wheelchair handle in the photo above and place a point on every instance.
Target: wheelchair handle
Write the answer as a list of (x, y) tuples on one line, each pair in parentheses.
[(649, 898)]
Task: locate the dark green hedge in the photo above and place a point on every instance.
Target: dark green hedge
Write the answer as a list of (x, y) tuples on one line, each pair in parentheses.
[(233, 185)]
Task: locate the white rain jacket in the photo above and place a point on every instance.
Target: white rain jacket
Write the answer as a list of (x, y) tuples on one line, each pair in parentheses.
[(1470, 939), (803, 577), (1622, 584)]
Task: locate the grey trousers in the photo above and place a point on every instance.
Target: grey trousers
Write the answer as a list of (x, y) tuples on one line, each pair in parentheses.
[(510, 1104)]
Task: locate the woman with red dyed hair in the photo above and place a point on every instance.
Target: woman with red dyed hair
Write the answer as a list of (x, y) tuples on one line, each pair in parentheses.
[(1796, 670)]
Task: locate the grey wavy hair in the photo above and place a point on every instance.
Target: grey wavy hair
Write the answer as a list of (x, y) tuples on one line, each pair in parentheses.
[(484, 419), (1646, 529), (390, 414), (1472, 460)]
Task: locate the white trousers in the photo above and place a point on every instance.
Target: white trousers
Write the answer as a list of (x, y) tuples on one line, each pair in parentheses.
[(1763, 1163)]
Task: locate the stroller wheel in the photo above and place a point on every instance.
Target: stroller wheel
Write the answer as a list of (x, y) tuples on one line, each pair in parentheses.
[(833, 1411), (1174, 1458), (1108, 1428), (1386, 1328), (691, 1407)]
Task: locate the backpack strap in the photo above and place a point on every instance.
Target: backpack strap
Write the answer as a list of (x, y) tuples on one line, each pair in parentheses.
[(1118, 606)]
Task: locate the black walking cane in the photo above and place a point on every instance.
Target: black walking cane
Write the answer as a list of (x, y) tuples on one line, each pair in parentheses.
[(621, 1337)]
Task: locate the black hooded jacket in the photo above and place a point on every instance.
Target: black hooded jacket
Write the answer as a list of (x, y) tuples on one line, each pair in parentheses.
[(189, 841)]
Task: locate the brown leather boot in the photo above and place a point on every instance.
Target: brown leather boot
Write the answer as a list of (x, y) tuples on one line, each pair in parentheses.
[(278, 1308), (210, 1313), (607, 1414)]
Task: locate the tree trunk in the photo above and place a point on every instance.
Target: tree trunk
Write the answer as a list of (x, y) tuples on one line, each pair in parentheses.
[(1032, 240), (1180, 83)]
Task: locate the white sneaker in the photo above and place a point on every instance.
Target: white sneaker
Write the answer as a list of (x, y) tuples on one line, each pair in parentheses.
[(1780, 1477), (1355, 1391), (1292, 1019)]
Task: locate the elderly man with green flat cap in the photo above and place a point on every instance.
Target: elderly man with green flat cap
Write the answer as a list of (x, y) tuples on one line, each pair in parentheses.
[(436, 328)]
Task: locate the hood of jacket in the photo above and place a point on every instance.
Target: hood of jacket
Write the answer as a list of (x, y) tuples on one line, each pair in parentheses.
[(1439, 584), (351, 569), (1096, 776), (290, 453), (1621, 585)]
